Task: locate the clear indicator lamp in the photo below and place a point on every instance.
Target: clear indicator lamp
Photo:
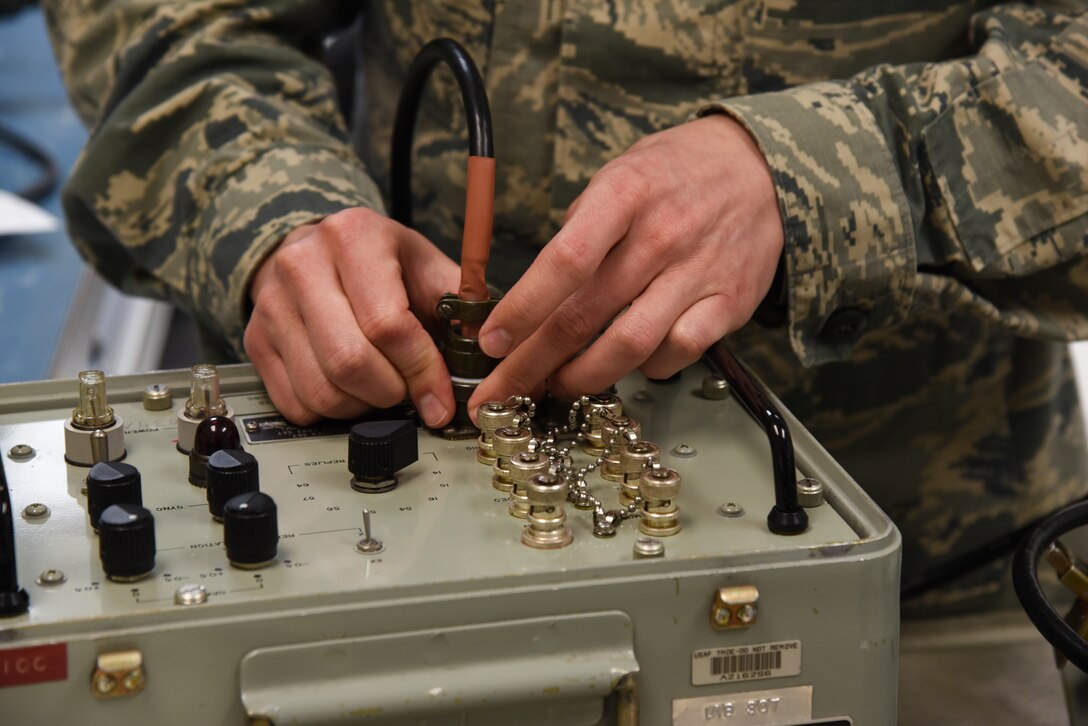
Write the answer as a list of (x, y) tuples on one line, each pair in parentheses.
[(205, 398), (93, 412), (94, 433), (205, 401)]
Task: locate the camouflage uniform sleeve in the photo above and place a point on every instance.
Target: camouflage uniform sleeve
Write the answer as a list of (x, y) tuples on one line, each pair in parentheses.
[(960, 185), (214, 132)]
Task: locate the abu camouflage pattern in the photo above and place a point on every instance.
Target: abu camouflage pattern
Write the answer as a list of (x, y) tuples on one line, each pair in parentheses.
[(931, 159)]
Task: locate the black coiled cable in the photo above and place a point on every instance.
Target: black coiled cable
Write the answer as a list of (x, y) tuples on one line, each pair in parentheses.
[(1025, 580), (47, 176), (477, 112)]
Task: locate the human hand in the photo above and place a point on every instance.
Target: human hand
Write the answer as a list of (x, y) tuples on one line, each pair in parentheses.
[(684, 228), (336, 325)]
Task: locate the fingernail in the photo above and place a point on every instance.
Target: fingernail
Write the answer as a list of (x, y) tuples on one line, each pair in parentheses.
[(496, 343), (434, 413)]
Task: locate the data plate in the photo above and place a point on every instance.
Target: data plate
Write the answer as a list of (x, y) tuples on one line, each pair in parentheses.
[(778, 707), (746, 663)]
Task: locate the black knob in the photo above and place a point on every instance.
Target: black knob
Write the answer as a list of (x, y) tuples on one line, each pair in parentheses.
[(377, 450), (213, 433), (230, 472), (111, 482), (126, 542), (250, 532)]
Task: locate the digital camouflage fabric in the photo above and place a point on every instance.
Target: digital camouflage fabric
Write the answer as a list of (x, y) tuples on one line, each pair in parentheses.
[(931, 159)]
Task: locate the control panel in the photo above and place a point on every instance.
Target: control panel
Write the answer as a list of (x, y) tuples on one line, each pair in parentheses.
[(186, 555)]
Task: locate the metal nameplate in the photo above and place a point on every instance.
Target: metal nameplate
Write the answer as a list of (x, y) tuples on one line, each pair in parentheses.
[(272, 427), (746, 663), (777, 707)]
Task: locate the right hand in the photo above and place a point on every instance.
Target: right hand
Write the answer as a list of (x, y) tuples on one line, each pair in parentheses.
[(336, 326)]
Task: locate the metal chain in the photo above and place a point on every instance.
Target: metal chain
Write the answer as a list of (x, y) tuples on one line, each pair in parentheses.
[(549, 444)]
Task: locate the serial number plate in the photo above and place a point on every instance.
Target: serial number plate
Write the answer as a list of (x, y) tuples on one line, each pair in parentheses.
[(746, 663), (779, 707)]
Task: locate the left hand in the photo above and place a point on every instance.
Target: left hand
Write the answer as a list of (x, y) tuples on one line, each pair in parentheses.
[(682, 230)]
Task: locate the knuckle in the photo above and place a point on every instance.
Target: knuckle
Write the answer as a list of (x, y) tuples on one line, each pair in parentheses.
[(340, 224), (627, 183), (291, 408), (390, 328), (293, 263), (321, 396), (571, 252), (634, 342), (251, 342), (689, 341), (387, 397), (572, 327), (348, 362)]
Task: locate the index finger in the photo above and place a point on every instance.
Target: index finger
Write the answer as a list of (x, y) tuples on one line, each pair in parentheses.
[(603, 215)]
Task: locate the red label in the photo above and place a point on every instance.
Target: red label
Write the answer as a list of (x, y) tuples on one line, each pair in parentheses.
[(22, 666)]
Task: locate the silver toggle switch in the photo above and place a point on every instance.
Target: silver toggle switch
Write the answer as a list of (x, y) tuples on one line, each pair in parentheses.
[(367, 545)]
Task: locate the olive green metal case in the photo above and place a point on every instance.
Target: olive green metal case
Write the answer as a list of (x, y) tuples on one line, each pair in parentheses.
[(454, 621)]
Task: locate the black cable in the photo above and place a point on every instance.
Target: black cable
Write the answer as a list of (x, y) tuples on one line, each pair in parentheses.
[(1025, 580), (477, 112), (968, 562), (13, 599), (786, 516), (48, 176)]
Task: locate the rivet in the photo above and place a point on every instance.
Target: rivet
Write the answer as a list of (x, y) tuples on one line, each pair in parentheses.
[(647, 547), (21, 452), (37, 510), (731, 510), (684, 451), (51, 577)]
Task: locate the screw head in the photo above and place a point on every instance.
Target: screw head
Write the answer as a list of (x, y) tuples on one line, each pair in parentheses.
[(51, 577), (104, 683), (731, 510), (746, 614), (134, 681), (722, 616), (646, 547), (642, 396), (21, 452), (684, 451), (252, 427), (37, 510)]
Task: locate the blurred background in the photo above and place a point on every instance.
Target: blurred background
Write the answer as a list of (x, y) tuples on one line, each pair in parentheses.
[(57, 314)]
